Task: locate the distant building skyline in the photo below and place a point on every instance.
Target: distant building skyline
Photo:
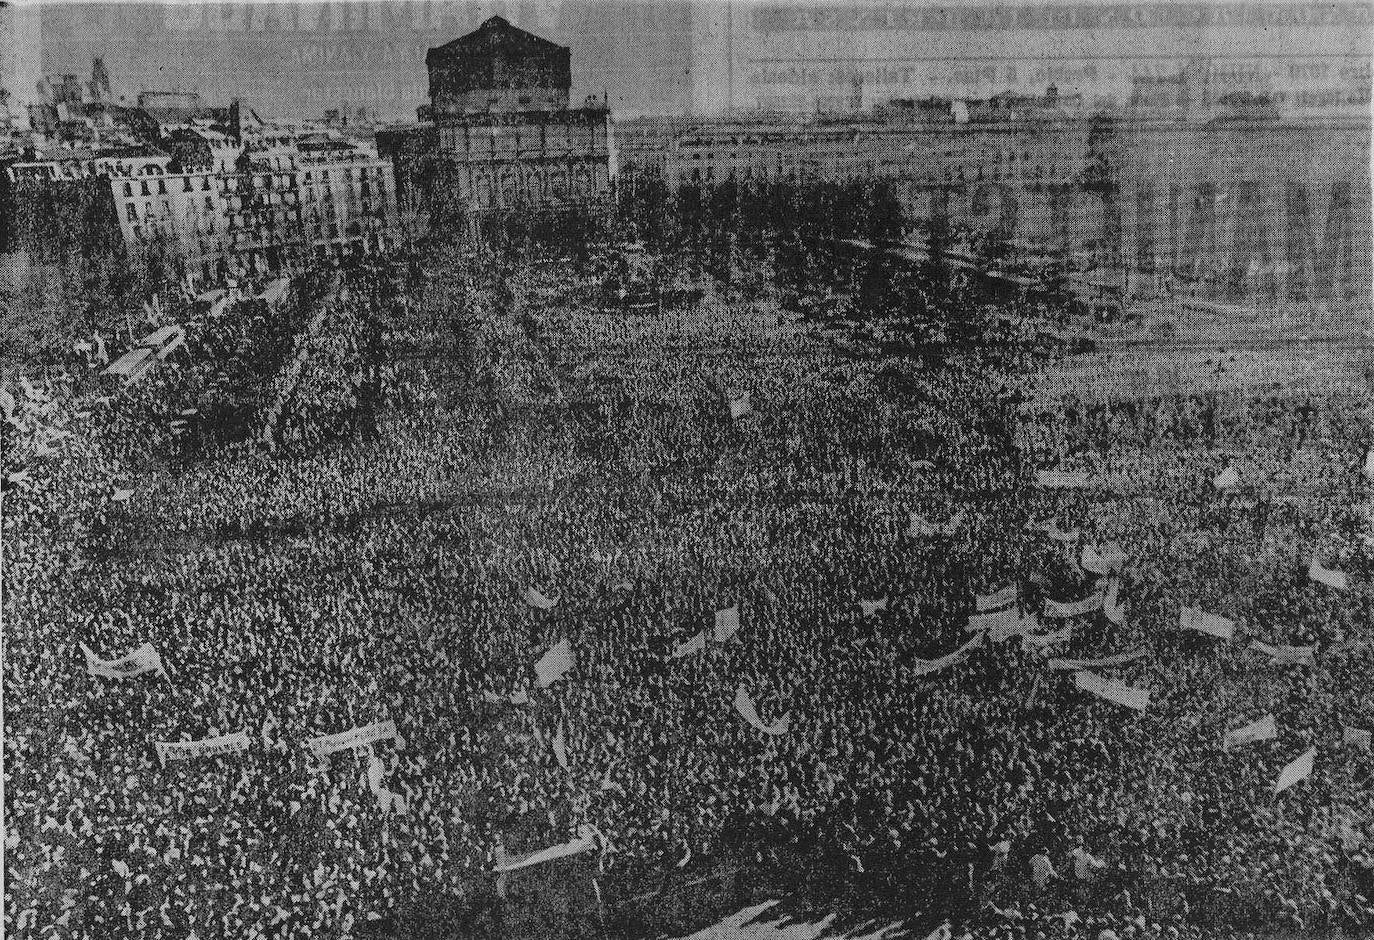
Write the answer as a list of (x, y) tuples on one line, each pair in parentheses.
[(298, 60)]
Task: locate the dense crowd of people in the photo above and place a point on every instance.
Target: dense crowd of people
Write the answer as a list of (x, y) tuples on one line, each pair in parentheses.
[(293, 594)]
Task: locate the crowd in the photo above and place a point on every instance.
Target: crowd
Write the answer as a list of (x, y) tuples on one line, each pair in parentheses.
[(388, 578)]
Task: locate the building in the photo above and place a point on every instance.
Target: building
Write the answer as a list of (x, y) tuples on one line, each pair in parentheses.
[(265, 209), (498, 132)]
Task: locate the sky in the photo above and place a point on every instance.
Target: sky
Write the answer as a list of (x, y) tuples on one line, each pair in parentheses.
[(296, 59)]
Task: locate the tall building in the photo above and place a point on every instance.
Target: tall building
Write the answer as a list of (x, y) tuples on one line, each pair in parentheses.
[(498, 132)]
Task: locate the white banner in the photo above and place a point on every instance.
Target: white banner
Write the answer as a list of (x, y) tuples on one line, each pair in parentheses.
[(1261, 729), (1327, 576), (538, 600), (1062, 479), (1287, 655), (209, 747), (1113, 690), (1226, 479), (687, 647), (1296, 771), (1194, 618), (585, 842), (1112, 608), (1104, 662), (1057, 610), (355, 737), (923, 667), (554, 664), (744, 704), (727, 624), (135, 663), (998, 599), (870, 608)]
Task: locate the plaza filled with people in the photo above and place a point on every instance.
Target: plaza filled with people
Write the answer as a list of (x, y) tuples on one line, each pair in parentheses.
[(954, 603)]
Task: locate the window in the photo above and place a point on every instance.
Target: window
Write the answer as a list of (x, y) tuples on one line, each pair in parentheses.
[(131, 211), (128, 189), (144, 185), (162, 187)]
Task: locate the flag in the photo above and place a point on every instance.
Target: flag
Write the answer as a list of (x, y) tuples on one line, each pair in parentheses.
[(560, 748), (687, 647), (1287, 655), (741, 406), (1104, 662), (1193, 618), (1059, 535), (1296, 771), (1261, 729), (7, 403), (135, 663), (1226, 479), (1357, 737), (539, 601), (997, 599), (519, 697), (209, 747), (1112, 608), (1369, 464), (554, 664), (1112, 690), (744, 704), (727, 624), (1057, 610), (922, 527), (398, 804), (101, 353), (870, 608), (1061, 479), (1334, 579), (121, 495), (923, 667)]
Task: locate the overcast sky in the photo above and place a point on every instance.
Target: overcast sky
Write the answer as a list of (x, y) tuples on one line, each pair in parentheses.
[(672, 56)]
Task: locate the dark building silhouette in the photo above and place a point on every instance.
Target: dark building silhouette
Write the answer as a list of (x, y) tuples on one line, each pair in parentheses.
[(498, 132)]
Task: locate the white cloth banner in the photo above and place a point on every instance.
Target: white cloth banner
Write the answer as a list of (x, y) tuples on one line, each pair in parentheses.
[(135, 663), (208, 747), (1104, 662), (1048, 639), (1102, 561), (744, 704), (1358, 737), (1194, 618), (1327, 576), (923, 667), (355, 737), (1112, 690), (870, 608), (560, 748), (1296, 771), (1226, 479), (727, 624), (539, 601), (515, 698), (554, 664), (687, 647), (585, 842), (1112, 608), (1057, 610), (998, 599), (1261, 729), (1062, 479), (1287, 655), (741, 406)]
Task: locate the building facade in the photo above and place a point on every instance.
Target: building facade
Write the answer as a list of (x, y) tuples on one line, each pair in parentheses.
[(264, 210), (498, 132)]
